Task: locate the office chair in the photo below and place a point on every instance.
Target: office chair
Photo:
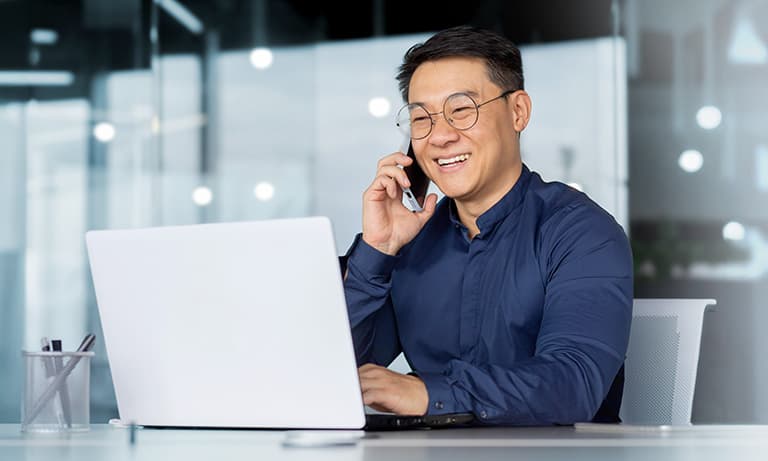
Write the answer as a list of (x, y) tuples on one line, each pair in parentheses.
[(662, 360)]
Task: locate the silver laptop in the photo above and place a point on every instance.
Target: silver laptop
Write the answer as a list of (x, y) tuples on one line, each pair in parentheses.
[(230, 325)]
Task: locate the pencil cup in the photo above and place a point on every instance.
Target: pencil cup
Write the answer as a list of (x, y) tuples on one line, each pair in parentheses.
[(56, 392)]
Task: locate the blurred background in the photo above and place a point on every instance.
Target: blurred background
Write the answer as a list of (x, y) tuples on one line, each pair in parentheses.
[(134, 113)]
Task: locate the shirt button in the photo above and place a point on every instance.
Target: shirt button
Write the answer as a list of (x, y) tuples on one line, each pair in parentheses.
[(483, 414), (439, 405)]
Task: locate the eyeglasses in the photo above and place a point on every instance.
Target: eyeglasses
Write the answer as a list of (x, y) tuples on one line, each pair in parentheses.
[(459, 110)]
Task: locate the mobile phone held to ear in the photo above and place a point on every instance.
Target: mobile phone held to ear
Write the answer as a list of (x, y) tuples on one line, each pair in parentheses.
[(415, 194)]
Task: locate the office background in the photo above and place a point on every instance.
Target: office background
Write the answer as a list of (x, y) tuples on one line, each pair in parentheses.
[(131, 113)]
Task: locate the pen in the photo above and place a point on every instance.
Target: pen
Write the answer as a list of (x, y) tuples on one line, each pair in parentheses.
[(86, 343), (50, 370), (58, 365), (46, 347), (61, 376)]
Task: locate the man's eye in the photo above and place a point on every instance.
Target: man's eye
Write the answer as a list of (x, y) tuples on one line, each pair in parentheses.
[(461, 112)]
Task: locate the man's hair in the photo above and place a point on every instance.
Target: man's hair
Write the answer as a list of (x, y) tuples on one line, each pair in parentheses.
[(501, 56)]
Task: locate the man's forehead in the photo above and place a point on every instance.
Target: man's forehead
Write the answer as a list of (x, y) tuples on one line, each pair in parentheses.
[(433, 81)]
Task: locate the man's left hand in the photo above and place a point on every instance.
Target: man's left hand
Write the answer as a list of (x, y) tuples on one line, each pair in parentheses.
[(386, 390)]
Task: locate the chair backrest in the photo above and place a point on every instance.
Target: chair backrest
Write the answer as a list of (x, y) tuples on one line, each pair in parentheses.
[(662, 359)]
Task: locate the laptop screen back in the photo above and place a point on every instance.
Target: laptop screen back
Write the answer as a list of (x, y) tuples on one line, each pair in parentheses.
[(227, 325)]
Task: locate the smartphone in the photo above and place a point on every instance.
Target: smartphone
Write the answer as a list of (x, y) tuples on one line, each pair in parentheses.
[(419, 181)]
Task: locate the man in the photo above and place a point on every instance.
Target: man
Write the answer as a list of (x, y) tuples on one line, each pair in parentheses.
[(512, 297)]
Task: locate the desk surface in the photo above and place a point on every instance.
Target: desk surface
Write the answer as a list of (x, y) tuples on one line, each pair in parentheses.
[(588, 442)]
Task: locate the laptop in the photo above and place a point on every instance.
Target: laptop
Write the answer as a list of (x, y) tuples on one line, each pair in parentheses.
[(232, 325)]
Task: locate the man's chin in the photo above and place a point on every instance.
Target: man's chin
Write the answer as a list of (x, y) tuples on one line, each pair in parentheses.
[(455, 192), (457, 195)]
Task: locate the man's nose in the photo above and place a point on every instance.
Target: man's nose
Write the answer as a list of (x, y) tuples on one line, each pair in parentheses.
[(442, 131)]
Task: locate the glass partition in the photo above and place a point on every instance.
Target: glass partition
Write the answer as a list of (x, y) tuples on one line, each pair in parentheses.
[(134, 113), (697, 143)]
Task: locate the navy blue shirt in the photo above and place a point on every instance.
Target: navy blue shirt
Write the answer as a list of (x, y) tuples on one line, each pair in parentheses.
[(527, 323)]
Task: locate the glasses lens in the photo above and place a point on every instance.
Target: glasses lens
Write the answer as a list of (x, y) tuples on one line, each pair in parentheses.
[(412, 119), (461, 111)]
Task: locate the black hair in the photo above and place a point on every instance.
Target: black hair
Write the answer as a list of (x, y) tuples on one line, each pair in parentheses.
[(502, 57)]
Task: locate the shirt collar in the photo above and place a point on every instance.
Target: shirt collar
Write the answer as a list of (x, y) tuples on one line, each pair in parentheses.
[(501, 209)]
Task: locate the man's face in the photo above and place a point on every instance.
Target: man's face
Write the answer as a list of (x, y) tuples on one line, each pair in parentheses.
[(476, 164)]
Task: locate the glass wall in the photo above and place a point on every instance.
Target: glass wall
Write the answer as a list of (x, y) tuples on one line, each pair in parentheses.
[(698, 183), (57, 67), (132, 113)]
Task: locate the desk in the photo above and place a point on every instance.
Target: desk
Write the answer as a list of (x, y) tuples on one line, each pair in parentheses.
[(104, 442)]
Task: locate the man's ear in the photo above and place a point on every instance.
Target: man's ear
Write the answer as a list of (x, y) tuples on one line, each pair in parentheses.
[(521, 106)]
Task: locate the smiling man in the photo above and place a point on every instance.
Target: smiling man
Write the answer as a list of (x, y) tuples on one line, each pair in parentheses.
[(511, 298)]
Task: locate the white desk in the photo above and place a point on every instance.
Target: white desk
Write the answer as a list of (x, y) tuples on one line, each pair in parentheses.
[(103, 442)]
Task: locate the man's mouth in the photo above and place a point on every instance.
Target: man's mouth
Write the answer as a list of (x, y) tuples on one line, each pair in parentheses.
[(453, 160)]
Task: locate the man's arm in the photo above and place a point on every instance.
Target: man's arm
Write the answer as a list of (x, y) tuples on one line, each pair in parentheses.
[(581, 343), (367, 284), (387, 226)]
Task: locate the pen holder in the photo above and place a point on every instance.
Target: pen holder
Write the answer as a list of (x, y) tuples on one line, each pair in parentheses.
[(56, 392)]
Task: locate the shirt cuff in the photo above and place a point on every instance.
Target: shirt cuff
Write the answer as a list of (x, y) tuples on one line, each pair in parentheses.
[(440, 394), (370, 260)]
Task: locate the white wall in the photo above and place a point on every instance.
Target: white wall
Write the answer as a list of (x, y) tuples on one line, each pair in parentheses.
[(579, 94), (11, 179), (12, 206), (58, 134)]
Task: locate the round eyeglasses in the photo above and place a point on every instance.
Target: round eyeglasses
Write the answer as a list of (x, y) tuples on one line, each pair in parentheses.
[(459, 110)]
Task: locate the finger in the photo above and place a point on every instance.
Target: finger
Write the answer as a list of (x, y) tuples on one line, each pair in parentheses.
[(381, 185), (397, 158), (428, 209), (370, 385), (394, 191), (390, 185), (395, 173), (369, 366), (375, 381), (378, 394), (371, 371), (378, 407), (373, 397)]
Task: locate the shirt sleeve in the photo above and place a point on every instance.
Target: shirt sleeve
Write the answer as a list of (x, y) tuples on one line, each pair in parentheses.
[(587, 269), (367, 285)]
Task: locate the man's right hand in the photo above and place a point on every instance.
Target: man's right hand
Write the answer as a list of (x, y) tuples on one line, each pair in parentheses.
[(387, 224)]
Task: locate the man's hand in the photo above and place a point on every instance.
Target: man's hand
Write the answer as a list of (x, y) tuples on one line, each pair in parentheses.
[(386, 390), (387, 223)]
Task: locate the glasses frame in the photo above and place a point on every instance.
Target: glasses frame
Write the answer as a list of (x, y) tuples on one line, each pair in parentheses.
[(432, 115)]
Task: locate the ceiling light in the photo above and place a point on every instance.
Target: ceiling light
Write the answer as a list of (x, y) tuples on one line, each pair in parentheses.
[(379, 107), (104, 131), (709, 117), (43, 36), (691, 161), (36, 78), (261, 58), (733, 231), (264, 191), (202, 196)]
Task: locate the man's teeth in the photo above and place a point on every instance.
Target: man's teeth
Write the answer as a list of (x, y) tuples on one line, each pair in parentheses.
[(449, 161)]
